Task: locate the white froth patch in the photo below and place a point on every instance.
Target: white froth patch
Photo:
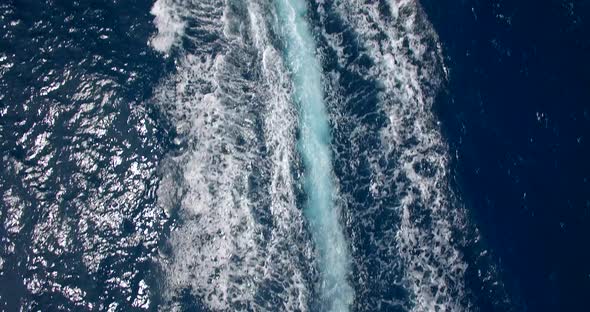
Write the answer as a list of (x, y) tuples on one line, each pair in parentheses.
[(220, 251), (433, 267), (169, 23)]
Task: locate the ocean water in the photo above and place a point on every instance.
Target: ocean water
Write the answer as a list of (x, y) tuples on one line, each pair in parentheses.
[(517, 115), (294, 155)]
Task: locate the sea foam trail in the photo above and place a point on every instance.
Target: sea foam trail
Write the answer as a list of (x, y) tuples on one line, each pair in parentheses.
[(314, 146), (240, 242), (415, 245)]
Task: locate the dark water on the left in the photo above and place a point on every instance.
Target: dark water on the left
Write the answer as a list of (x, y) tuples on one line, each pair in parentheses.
[(79, 150)]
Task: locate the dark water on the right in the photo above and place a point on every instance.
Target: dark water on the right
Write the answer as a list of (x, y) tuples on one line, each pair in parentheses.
[(517, 116)]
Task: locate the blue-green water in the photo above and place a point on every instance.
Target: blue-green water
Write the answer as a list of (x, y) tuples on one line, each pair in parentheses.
[(314, 146)]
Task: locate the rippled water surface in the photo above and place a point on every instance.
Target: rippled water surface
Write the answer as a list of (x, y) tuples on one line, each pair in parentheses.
[(80, 152)]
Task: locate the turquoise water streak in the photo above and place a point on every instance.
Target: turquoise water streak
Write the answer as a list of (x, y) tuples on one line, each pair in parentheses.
[(314, 146)]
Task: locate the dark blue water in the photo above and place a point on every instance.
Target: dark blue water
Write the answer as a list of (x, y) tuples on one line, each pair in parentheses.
[(80, 148), (152, 164), (516, 113)]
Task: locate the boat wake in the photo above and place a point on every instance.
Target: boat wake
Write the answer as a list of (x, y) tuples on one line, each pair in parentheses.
[(311, 173)]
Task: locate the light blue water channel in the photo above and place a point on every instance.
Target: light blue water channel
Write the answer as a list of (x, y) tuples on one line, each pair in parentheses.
[(314, 147)]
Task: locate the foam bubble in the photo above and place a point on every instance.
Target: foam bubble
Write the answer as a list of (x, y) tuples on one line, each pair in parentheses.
[(169, 23)]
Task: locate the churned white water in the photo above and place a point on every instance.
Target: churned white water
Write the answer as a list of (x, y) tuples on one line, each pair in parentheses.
[(240, 243), (410, 167), (257, 199)]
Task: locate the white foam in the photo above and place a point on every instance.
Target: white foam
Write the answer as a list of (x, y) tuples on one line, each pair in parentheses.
[(221, 94), (169, 24), (433, 268)]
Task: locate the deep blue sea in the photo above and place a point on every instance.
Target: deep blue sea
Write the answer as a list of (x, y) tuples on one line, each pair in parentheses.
[(294, 155)]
